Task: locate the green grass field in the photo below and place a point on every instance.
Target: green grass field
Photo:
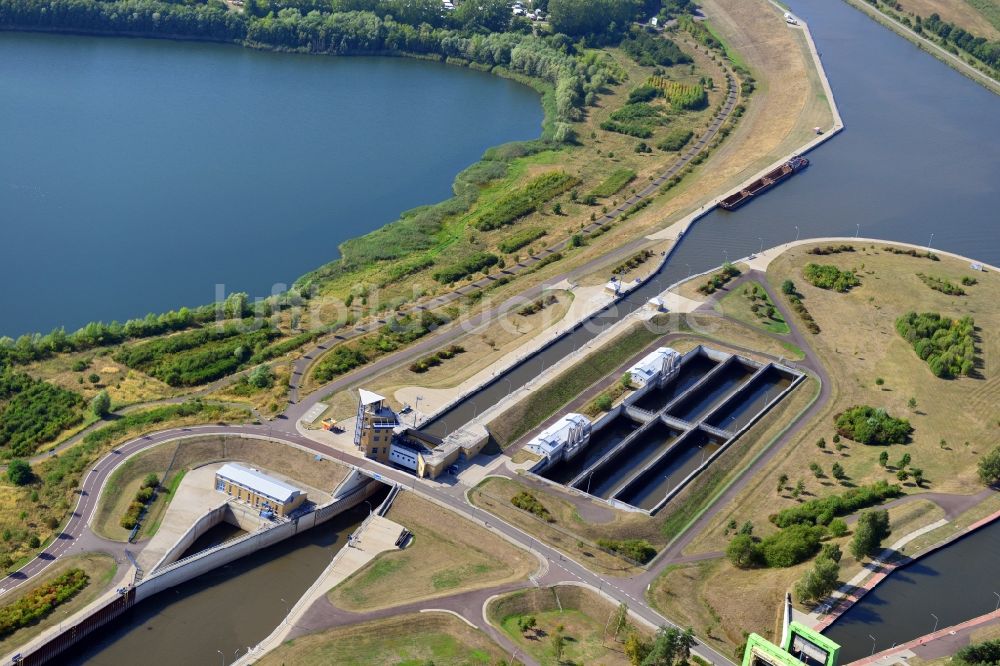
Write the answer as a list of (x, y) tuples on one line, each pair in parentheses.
[(739, 305), (403, 640)]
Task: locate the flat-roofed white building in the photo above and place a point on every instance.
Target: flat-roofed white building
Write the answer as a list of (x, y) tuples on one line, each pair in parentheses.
[(565, 436), (259, 490), (663, 362)]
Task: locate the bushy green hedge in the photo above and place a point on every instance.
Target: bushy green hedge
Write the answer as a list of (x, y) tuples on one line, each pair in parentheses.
[(870, 425), (822, 511), (526, 199), (33, 412), (466, 267), (39, 603), (528, 502), (947, 345), (537, 305), (943, 285), (637, 550), (396, 333), (826, 276), (985, 653), (426, 363), (142, 419), (640, 112), (521, 238), (632, 262), (650, 50), (638, 130), (199, 356), (644, 93), (718, 280), (786, 548), (675, 139), (143, 497), (618, 179)]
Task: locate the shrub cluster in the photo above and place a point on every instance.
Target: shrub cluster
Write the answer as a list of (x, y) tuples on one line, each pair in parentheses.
[(784, 548), (199, 356), (639, 130), (868, 425), (826, 276), (521, 238), (675, 139), (718, 280), (33, 411), (511, 206), (911, 253), (606, 399), (823, 510), (943, 285), (636, 260), (795, 300), (831, 249), (947, 345), (545, 261), (426, 363), (143, 497), (618, 179), (649, 51), (39, 603), (528, 502), (468, 266), (537, 305), (644, 93), (985, 653), (637, 550), (397, 332)]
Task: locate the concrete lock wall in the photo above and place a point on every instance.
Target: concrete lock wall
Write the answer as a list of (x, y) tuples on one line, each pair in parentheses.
[(208, 560), (202, 525)]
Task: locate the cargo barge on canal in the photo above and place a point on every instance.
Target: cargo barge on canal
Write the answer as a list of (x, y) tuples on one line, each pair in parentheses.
[(764, 183)]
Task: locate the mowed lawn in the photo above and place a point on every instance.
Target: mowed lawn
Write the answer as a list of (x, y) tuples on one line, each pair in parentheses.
[(448, 554), (581, 614), (403, 640), (739, 304)]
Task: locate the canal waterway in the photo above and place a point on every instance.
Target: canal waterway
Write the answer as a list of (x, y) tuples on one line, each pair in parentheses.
[(919, 157), (136, 175), (225, 610), (955, 584)]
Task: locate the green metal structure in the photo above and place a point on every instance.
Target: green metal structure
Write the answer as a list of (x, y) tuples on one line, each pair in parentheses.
[(801, 645)]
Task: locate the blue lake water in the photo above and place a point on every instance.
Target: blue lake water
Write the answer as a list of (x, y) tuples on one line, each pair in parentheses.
[(136, 175)]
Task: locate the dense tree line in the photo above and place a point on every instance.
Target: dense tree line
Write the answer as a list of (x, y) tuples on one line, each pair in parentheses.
[(28, 348), (823, 511), (978, 47), (369, 27), (199, 356)]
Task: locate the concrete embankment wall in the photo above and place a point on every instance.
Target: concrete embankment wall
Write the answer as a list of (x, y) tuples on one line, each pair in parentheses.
[(235, 514), (353, 491), (202, 525), (186, 569)]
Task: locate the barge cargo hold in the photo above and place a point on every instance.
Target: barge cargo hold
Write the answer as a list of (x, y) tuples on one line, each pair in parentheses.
[(764, 183)]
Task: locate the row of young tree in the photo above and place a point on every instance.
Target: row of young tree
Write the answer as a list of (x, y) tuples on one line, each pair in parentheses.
[(978, 47), (29, 348)]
